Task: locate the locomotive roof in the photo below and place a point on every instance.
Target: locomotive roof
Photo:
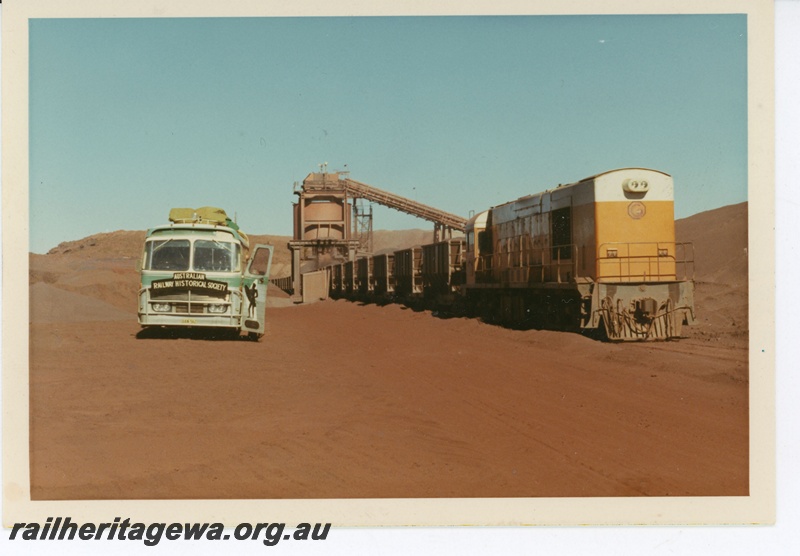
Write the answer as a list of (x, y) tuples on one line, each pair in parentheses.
[(617, 170), (590, 178)]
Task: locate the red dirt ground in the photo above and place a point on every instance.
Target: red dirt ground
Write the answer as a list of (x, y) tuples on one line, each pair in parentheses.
[(343, 400)]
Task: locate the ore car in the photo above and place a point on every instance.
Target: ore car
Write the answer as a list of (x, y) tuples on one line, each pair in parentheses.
[(408, 272), (384, 275), (442, 270)]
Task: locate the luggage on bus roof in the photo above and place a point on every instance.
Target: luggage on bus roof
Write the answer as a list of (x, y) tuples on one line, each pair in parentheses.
[(205, 215)]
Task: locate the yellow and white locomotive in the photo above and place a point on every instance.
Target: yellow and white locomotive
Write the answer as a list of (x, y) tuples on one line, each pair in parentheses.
[(598, 254)]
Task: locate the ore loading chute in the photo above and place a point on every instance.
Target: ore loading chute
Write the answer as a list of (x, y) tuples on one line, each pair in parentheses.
[(332, 224)]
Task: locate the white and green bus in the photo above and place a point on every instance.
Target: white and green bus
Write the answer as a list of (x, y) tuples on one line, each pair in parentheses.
[(200, 271)]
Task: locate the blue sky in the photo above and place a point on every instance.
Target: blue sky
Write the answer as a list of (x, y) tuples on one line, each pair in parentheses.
[(130, 117)]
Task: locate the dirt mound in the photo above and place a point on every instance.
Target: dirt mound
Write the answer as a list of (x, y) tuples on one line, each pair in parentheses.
[(385, 241), (281, 256), (720, 244), (720, 253), (120, 244), (50, 304), (274, 292), (113, 281)]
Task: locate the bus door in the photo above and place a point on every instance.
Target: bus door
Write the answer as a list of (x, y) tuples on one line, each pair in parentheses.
[(256, 278)]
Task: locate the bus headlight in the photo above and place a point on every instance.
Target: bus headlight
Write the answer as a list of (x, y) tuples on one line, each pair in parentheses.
[(218, 309), (162, 307)]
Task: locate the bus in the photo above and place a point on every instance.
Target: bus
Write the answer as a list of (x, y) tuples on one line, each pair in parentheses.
[(200, 271)]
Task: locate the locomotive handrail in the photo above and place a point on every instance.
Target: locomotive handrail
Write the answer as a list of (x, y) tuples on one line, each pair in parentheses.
[(652, 261), (560, 270), (649, 260), (526, 259)]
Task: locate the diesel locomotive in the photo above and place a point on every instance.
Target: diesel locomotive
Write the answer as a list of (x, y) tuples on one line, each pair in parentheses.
[(599, 254)]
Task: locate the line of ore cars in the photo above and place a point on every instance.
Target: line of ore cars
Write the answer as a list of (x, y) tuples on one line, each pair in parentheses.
[(598, 256)]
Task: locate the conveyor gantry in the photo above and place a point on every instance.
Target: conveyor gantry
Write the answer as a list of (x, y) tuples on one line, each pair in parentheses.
[(403, 204)]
